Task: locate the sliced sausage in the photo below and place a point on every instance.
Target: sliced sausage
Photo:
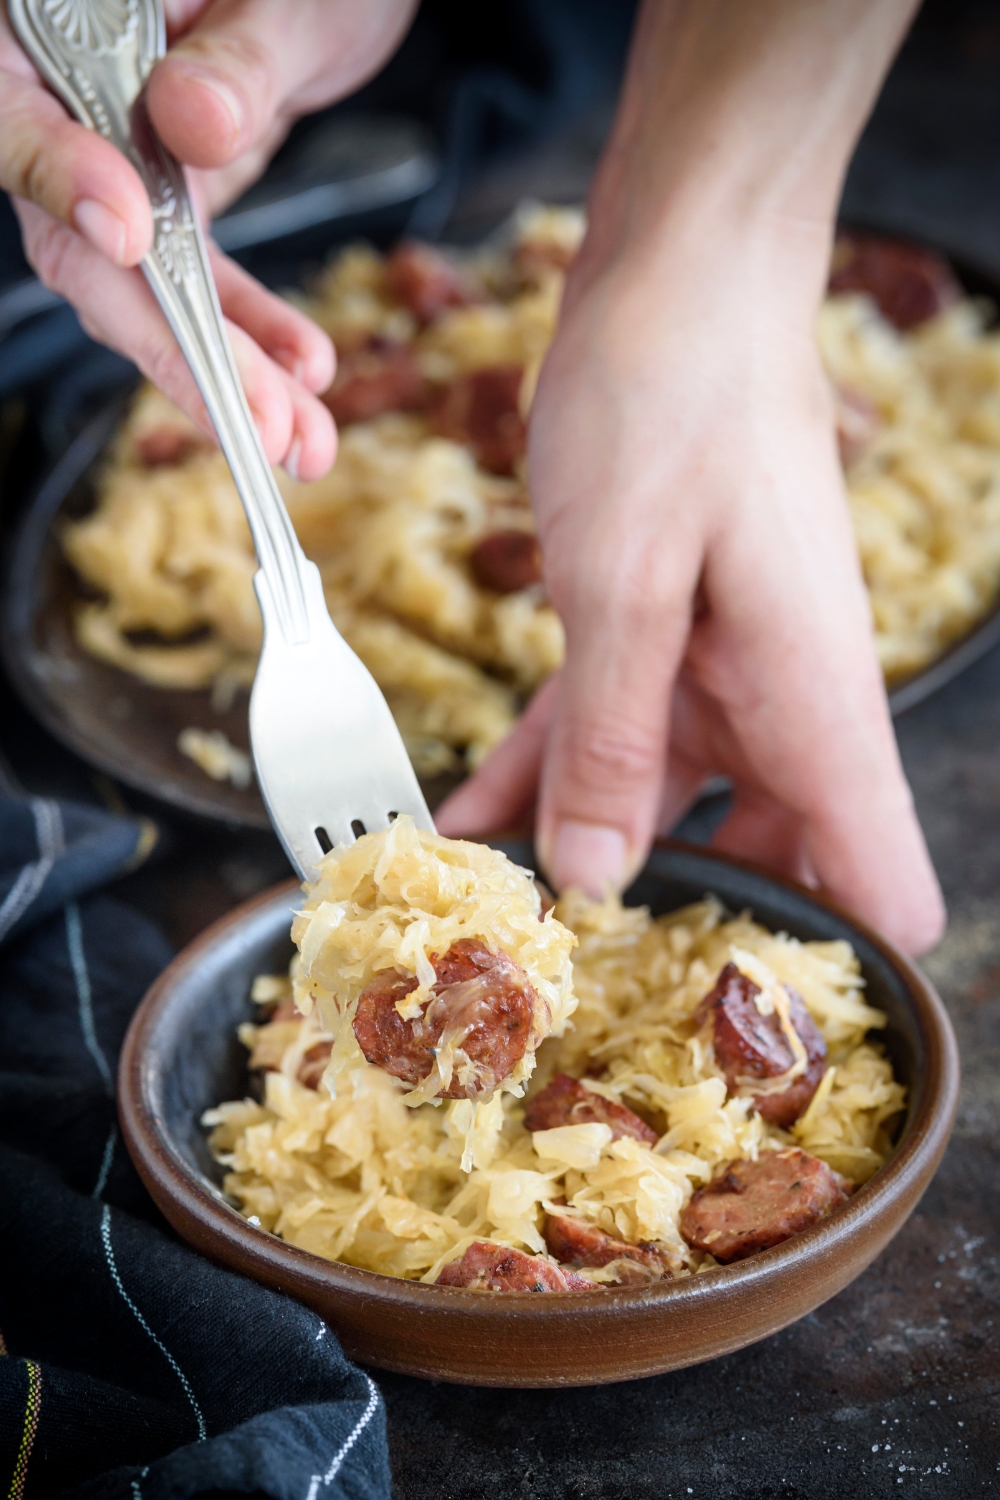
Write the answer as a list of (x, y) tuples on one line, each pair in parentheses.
[(507, 561), (908, 283), (426, 282), (574, 1242), (486, 1267), (286, 1010), (159, 446), (480, 410), (314, 1061), (485, 995), (567, 1101), (751, 1205), (749, 1045), (377, 377), (313, 1065)]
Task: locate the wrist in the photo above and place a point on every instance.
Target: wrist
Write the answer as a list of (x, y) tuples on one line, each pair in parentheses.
[(735, 127), (712, 232)]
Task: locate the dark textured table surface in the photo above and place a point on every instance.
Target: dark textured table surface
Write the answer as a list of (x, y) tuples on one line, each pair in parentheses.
[(892, 1388)]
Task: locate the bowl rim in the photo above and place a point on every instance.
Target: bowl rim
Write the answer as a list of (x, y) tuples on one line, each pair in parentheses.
[(902, 1177)]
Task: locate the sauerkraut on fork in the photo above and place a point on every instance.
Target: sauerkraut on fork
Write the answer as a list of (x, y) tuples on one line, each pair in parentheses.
[(431, 959)]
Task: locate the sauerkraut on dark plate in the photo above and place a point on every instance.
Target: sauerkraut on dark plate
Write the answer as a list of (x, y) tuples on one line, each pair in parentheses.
[(424, 533), (138, 654)]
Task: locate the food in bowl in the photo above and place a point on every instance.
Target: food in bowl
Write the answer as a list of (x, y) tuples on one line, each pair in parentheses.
[(423, 531), (717, 1089)]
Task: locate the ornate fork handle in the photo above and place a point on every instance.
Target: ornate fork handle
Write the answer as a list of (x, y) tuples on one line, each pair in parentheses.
[(97, 56)]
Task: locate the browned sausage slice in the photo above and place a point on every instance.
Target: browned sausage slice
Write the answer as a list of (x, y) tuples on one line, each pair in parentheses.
[(426, 282), (314, 1061), (507, 561), (749, 1045), (751, 1205), (377, 377), (485, 994), (574, 1242), (908, 282), (313, 1064), (486, 1267), (480, 410), (567, 1101), (285, 1010)]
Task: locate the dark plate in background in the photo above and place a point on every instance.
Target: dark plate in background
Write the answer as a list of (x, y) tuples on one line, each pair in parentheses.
[(124, 727), (129, 729)]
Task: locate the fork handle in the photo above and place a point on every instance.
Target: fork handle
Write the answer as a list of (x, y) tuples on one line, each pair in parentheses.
[(178, 270), (97, 57)]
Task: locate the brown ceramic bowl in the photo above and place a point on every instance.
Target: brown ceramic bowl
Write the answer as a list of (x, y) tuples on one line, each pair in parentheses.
[(181, 1056)]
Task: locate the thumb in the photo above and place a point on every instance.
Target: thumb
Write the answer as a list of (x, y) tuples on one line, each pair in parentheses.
[(247, 68), (605, 763)]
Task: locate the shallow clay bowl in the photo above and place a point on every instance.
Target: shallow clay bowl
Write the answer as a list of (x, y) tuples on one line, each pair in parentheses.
[(182, 1055)]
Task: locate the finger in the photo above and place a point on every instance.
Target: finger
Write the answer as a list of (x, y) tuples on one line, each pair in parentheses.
[(802, 689), (71, 173), (313, 444), (760, 829), (295, 429), (245, 62), (502, 793), (626, 612), (757, 826), (290, 338), (179, 14), (117, 308), (693, 757), (218, 187), (682, 789)]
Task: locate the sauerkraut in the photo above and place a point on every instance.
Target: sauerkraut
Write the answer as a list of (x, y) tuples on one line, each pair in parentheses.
[(359, 1176), (925, 488), (393, 900), (394, 528), (396, 525)]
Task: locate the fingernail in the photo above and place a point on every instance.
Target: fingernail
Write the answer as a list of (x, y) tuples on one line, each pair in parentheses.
[(291, 464), (589, 856), (102, 227), (230, 101)]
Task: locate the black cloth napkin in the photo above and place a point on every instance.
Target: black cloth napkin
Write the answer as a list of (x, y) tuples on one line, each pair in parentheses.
[(129, 1366)]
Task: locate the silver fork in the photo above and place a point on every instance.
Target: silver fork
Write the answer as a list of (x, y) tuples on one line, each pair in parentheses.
[(330, 761)]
